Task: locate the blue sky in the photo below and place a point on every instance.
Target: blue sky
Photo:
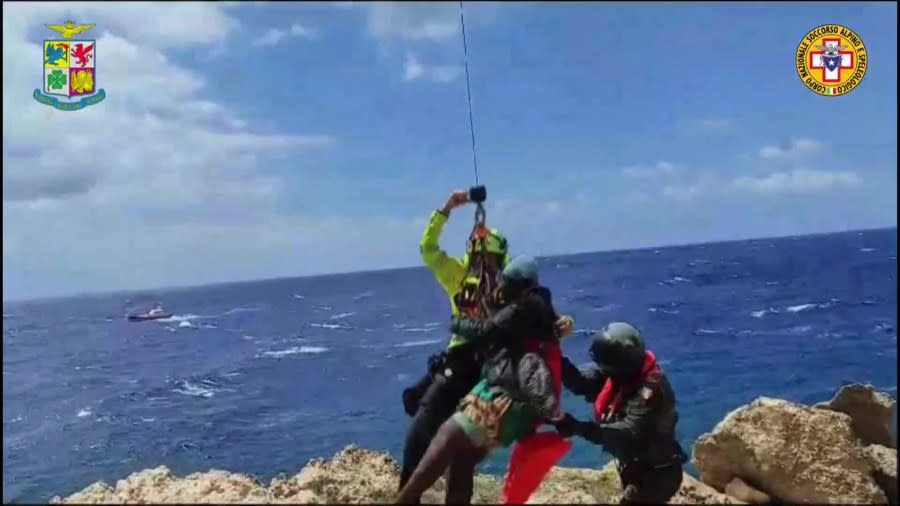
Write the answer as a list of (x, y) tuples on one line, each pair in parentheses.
[(261, 139)]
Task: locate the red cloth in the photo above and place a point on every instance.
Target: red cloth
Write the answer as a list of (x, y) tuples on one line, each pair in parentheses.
[(535, 454), (531, 460), (610, 399)]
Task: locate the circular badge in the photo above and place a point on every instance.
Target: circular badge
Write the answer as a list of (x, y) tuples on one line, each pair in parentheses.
[(831, 60)]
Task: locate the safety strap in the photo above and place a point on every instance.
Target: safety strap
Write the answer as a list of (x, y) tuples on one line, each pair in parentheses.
[(477, 245)]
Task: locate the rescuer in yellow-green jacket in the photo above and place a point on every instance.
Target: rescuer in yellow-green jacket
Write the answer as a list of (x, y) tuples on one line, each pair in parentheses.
[(453, 372)]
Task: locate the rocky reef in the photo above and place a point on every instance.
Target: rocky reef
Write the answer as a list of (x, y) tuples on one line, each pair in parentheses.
[(769, 451)]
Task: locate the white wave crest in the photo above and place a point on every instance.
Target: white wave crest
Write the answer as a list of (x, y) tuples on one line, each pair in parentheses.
[(294, 350), (801, 307), (236, 310), (194, 390), (423, 342), (179, 318), (419, 329), (763, 312), (331, 326), (341, 316), (84, 412)]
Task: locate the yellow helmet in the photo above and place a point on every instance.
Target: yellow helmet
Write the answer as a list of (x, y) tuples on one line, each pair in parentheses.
[(494, 242)]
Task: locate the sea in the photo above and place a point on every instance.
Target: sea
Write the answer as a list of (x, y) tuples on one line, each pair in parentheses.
[(260, 377)]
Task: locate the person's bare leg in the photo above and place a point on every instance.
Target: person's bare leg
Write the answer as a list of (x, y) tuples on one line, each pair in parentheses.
[(449, 440), (461, 477)]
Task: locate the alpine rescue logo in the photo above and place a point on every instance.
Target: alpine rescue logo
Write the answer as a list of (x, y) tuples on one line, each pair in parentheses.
[(831, 60), (70, 70)]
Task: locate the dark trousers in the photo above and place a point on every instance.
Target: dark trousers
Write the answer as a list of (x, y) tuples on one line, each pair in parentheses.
[(648, 485), (437, 405)]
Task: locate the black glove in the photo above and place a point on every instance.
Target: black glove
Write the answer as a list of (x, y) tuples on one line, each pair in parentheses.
[(411, 399), (437, 362), (567, 426), (412, 396)]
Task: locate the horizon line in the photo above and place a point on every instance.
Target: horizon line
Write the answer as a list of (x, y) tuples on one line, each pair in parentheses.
[(181, 288)]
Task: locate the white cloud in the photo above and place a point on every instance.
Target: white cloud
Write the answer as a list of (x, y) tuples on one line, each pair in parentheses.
[(660, 168), (797, 181), (163, 25), (420, 21), (414, 70), (146, 187), (274, 36), (435, 21), (796, 149)]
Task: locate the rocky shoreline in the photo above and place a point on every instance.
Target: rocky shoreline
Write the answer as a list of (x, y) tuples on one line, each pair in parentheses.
[(771, 450)]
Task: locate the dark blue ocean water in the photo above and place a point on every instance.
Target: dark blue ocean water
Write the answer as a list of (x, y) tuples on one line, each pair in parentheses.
[(260, 377)]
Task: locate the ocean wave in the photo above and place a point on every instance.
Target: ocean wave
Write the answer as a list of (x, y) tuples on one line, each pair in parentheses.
[(423, 342), (364, 295), (298, 296), (84, 412), (677, 280), (191, 389), (886, 328), (341, 316), (800, 308), (330, 326), (179, 318), (419, 329), (294, 350), (706, 332), (764, 312), (866, 250), (799, 329), (237, 310)]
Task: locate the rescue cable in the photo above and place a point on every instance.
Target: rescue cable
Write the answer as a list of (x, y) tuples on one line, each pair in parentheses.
[(477, 194), (462, 23)]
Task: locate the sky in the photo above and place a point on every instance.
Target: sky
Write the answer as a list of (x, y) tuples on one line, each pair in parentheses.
[(256, 140)]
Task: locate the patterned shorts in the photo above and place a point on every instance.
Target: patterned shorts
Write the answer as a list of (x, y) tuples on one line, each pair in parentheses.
[(491, 418)]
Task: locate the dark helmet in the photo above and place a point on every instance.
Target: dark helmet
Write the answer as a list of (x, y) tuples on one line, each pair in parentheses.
[(519, 274), (619, 351)]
